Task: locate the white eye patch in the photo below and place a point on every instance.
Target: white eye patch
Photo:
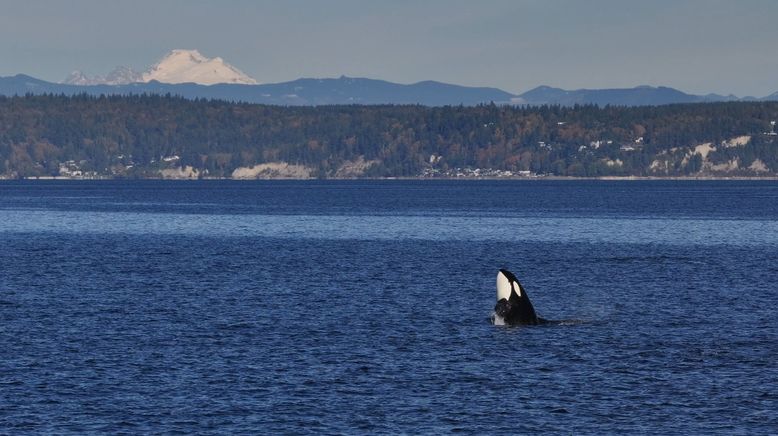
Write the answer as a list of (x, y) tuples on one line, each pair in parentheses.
[(504, 287)]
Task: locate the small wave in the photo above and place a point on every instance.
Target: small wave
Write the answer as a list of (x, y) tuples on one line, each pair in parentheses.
[(566, 322), (237, 326), (498, 320)]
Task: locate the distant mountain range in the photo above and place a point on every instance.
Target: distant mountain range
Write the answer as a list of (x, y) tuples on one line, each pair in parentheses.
[(178, 66), (638, 96), (301, 92), (189, 74), (348, 90)]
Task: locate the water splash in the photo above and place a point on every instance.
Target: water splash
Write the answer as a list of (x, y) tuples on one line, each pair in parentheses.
[(496, 319)]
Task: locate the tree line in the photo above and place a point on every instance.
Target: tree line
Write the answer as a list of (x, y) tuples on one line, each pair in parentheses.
[(131, 136)]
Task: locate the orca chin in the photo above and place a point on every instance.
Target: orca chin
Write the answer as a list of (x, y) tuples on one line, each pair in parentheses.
[(513, 305)]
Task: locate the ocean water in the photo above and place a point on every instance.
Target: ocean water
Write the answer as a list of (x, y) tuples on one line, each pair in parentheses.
[(362, 307)]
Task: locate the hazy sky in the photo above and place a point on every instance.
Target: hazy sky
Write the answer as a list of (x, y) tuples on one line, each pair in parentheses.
[(697, 46)]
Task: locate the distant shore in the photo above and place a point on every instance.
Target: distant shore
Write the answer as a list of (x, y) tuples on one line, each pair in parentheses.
[(528, 179)]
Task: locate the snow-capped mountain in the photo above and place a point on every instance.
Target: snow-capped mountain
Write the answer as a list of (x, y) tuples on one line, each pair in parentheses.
[(119, 76), (178, 66), (123, 75), (77, 77), (189, 66)]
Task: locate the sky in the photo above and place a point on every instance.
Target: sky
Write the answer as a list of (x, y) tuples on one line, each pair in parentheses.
[(697, 46)]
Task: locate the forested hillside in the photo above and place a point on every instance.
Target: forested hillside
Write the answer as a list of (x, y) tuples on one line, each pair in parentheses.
[(164, 136)]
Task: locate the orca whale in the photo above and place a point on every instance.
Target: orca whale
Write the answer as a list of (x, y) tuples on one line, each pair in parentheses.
[(513, 306)]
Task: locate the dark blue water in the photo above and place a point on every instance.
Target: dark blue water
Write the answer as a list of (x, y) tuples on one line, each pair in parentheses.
[(362, 307)]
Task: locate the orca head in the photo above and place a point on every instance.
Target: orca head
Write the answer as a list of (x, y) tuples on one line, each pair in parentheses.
[(502, 308), (513, 305)]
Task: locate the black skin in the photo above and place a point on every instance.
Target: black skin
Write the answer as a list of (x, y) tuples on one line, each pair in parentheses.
[(517, 310)]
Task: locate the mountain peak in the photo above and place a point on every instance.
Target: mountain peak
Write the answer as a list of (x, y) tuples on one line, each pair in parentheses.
[(190, 66), (180, 54), (121, 75), (177, 66), (77, 77)]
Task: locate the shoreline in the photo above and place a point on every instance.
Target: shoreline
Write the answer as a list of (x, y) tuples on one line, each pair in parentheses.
[(527, 179)]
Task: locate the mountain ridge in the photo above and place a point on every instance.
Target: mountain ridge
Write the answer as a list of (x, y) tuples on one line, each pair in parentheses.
[(299, 92), (365, 91)]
